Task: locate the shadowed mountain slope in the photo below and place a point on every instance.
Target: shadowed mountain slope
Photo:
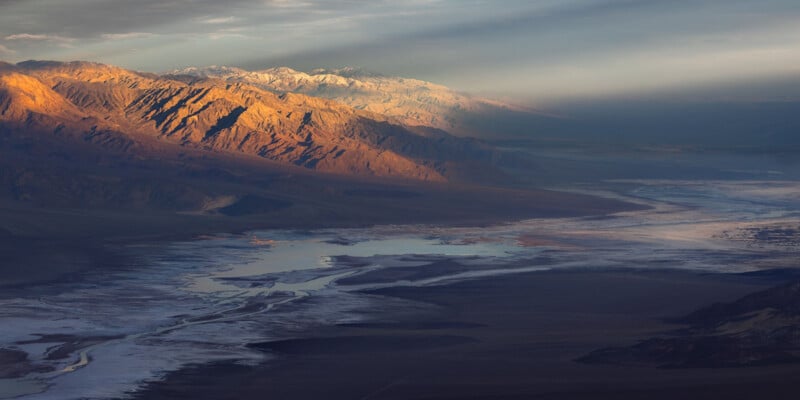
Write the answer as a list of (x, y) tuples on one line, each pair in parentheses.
[(93, 156)]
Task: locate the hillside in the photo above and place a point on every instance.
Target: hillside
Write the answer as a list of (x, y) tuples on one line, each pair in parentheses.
[(127, 108), (93, 156)]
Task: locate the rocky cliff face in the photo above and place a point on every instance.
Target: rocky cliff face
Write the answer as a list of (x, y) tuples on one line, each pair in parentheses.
[(100, 100), (403, 100)]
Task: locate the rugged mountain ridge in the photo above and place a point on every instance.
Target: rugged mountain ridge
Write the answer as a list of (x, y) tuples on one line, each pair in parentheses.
[(107, 104), (403, 100), (758, 329)]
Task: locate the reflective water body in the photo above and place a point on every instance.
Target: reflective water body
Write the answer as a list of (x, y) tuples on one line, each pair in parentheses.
[(205, 300)]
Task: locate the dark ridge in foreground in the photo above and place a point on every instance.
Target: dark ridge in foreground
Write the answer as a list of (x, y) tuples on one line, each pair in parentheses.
[(759, 329)]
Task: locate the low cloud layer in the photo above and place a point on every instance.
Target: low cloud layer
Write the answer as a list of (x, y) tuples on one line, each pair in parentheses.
[(543, 51)]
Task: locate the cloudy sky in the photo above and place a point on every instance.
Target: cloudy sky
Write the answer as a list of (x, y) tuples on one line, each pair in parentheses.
[(543, 51)]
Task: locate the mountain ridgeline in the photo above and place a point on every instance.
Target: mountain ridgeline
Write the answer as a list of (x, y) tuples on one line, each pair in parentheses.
[(405, 101), (125, 110)]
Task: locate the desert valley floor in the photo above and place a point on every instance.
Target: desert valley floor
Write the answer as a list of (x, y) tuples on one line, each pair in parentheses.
[(223, 306)]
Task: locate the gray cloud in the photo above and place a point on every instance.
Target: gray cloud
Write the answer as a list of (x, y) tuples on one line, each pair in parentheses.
[(90, 18), (126, 35), (37, 37)]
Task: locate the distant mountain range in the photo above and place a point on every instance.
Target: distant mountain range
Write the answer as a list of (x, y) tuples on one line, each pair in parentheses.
[(403, 100), (125, 110)]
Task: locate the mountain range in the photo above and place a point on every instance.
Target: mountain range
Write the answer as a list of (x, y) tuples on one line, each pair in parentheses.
[(405, 101), (121, 108), (81, 134)]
